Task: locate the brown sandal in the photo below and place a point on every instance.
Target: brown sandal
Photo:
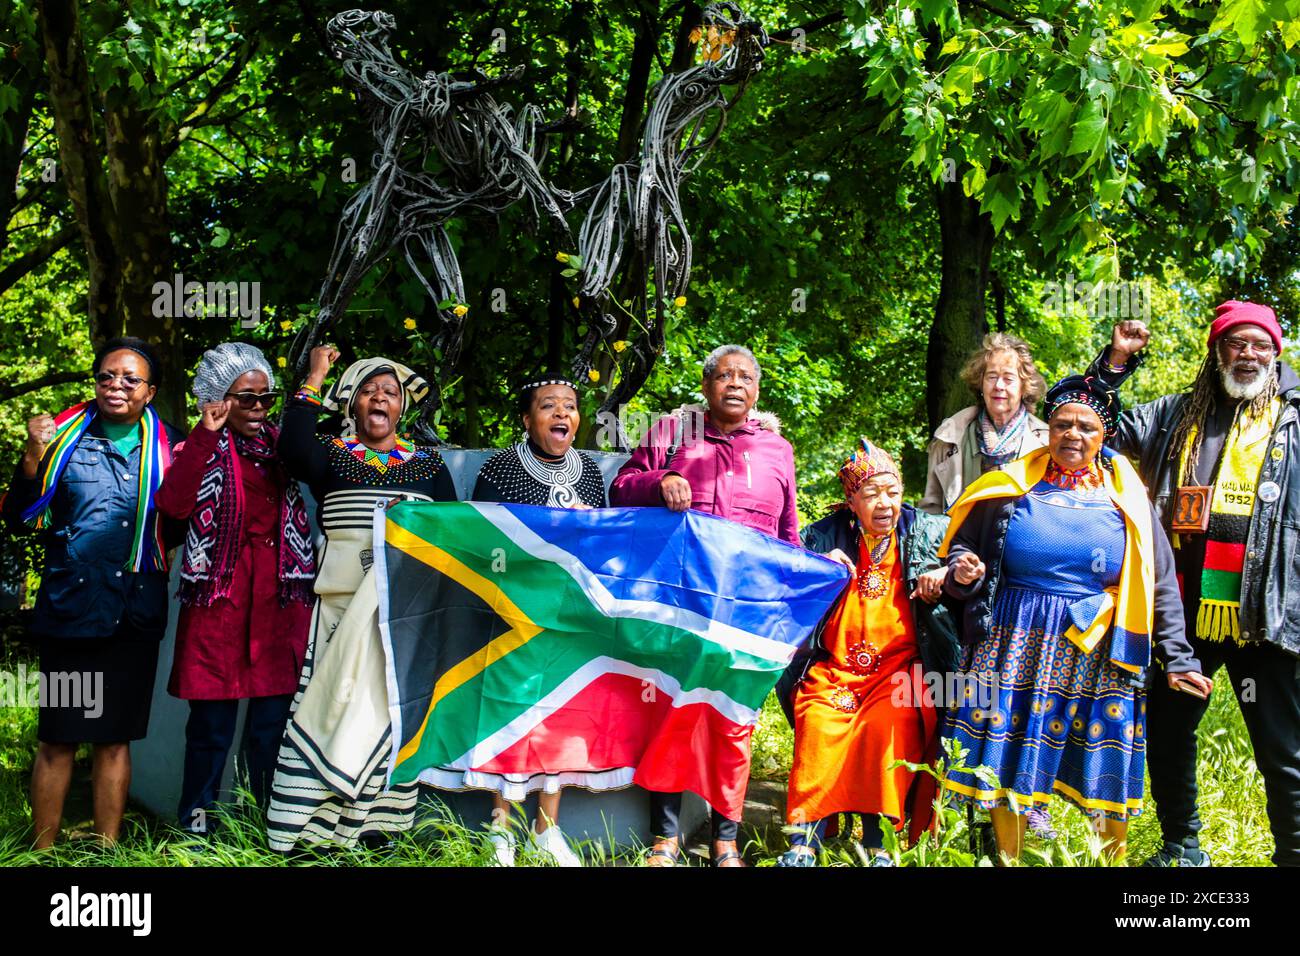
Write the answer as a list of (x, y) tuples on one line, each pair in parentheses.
[(662, 856)]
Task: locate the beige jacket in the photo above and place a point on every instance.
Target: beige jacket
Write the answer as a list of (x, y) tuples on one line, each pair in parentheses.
[(945, 482)]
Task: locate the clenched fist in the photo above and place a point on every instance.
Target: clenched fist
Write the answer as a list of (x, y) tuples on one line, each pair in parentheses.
[(1126, 340), (676, 491), (967, 569), (40, 432), (322, 359), (214, 414)]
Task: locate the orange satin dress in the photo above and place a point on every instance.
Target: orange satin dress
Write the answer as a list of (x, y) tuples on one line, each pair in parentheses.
[(861, 709)]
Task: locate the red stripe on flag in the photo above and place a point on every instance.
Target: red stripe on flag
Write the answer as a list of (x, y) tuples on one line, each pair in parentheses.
[(1221, 556), (700, 750), (608, 724), (621, 721)]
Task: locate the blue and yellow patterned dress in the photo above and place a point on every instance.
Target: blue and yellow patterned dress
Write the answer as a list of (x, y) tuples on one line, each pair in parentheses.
[(1042, 714)]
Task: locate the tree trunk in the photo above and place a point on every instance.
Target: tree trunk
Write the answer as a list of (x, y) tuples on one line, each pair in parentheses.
[(966, 243), (14, 123), (138, 187), (80, 167), (638, 82)]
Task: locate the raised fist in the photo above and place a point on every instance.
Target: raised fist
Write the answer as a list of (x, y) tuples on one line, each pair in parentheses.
[(322, 359), (214, 414), (1127, 339), (40, 431)]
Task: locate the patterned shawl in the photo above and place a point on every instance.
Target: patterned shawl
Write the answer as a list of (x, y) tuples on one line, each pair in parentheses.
[(212, 541)]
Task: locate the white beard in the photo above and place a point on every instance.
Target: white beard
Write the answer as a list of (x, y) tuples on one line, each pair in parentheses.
[(1247, 391)]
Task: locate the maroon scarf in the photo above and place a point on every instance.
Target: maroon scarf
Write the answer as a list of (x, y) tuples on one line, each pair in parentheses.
[(212, 540)]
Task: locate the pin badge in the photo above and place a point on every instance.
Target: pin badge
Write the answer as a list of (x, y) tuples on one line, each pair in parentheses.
[(1269, 491), (1277, 453)]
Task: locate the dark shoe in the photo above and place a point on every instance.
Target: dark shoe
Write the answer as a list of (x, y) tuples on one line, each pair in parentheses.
[(665, 853), (1039, 820), (726, 857), (1175, 854), (795, 858)]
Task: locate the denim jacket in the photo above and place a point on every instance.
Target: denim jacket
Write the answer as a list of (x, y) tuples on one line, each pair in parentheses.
[(86, 592)]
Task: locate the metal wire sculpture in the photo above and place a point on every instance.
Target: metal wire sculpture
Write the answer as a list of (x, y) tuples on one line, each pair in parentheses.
[(491, 159)]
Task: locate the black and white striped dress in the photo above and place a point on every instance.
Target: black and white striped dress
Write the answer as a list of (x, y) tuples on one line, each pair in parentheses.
[(317, 798)]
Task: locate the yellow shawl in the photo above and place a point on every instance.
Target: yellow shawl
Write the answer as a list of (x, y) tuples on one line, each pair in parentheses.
[(1130, 606)]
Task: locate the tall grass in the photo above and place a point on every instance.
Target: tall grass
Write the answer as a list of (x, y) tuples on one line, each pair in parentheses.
[(1231, 802)]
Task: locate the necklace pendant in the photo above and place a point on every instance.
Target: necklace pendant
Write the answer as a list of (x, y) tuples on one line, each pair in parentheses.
[(872, 583)]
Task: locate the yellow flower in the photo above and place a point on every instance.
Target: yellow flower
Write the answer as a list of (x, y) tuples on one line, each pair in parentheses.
[(620, 346), (460, 311), (286, 325), (409, 323), (593, 375), (680, 301), (282, 361), (561, 257), (577, 302)]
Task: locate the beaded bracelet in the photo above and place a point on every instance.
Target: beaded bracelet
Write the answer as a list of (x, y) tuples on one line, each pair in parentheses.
[(1113, 369), (308, 394)]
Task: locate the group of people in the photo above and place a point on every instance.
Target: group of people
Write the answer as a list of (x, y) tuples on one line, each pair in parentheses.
[(1072, 580)]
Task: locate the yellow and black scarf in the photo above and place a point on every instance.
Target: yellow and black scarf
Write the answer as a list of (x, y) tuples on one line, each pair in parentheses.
[(1233, 500)]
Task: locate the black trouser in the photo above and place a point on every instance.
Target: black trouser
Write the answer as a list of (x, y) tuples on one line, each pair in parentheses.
[(665, 808), (209, 734), (1266, 681)]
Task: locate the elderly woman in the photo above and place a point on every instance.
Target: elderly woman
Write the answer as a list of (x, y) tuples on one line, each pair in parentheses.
[(88, 478), (331, 783), (999, 429), (724, 460), (855, 693), (1068, 583), (544, 469), (246, 578)]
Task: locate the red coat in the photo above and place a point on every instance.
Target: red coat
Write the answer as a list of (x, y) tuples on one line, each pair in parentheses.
[(244, 645), (746, 476)]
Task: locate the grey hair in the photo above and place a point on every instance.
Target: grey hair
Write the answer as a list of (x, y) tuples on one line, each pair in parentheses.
[(722, 351)]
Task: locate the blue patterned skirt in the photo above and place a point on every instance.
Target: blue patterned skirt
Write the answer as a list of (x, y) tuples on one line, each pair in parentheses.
[(1045, 717)]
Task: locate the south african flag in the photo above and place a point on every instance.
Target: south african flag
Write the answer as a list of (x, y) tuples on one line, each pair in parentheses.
[(525, 640)]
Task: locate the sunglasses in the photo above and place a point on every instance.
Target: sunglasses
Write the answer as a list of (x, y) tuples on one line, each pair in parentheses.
[(246, 400), (129, 382)]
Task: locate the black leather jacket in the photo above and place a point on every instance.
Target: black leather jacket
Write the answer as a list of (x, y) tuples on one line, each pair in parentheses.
[(1270, 581)]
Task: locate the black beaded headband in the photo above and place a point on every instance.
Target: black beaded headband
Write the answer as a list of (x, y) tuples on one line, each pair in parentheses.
[(549, 381)]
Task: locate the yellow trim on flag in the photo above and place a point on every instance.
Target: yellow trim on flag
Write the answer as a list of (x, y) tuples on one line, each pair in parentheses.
[(522, 629)]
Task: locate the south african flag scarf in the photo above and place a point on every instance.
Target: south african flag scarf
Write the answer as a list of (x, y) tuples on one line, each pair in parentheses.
[(147, 551), (1231, 504)]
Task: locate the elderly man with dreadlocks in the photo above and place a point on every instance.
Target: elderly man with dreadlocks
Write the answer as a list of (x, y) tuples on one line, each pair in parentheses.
[(1222, 464)]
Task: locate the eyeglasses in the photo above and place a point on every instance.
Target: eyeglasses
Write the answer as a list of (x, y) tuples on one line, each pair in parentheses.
[(1262, 349), (129, 382), (246, 400)]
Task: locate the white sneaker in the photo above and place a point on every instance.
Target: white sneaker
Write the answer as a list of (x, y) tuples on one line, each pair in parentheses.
[(503, 846), (552, 841)]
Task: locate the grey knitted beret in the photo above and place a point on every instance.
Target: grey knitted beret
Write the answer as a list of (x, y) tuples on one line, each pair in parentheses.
[(220, 366)]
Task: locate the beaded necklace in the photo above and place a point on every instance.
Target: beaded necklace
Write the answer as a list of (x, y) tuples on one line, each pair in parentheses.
[(402, 452), (1087, 478)]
